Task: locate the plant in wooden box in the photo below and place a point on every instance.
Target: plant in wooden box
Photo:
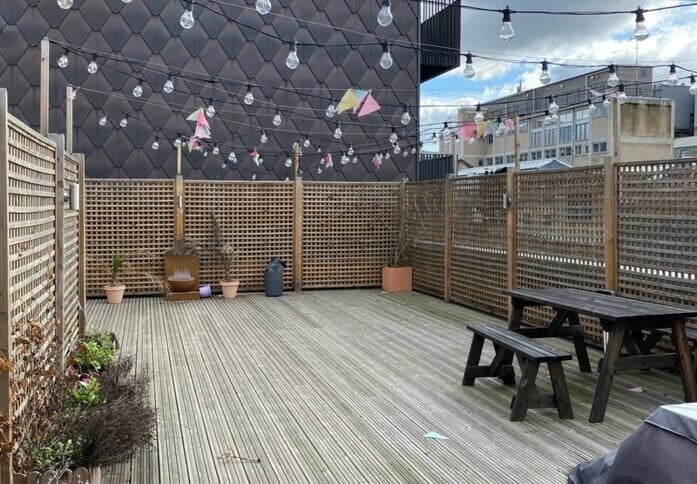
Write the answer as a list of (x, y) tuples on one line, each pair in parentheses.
[(397, 274), (114, 291), (182, 270), (226, 256)]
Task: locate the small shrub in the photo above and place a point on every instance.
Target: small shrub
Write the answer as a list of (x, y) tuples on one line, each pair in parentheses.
[(53, 456), (88, 392), (92, 356)]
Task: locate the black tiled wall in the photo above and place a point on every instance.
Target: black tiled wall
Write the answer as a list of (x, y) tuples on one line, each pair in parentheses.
[(149, 30)]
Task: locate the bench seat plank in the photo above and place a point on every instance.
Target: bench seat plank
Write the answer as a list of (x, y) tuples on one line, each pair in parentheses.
[(520, 344)]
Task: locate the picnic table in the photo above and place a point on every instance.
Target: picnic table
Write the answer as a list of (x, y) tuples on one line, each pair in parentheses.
[(625, 321)]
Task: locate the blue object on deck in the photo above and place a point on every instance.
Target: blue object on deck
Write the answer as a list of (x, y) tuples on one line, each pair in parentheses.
[(436, 436), (273, 278)]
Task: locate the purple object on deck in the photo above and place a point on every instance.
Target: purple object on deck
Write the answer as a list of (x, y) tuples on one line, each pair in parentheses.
[(205, 291)]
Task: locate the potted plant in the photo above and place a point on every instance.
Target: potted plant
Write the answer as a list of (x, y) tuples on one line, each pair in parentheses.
[(397, 274), (226, 255), (182, 268), (114, 291)]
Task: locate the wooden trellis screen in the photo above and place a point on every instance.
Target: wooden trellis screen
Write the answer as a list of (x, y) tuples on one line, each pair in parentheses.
[(39, 283)]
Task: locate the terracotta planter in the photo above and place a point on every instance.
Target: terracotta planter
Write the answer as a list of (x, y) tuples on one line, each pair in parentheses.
[(229, 288), (114, 294), (396, 279)]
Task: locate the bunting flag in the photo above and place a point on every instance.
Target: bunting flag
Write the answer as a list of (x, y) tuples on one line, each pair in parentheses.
[(467, 131), (490, 128), (203, 129), (509, 125), (370, 106), (194, 144), (377, 162), (481, 128), (195, 115), (328, 161), (361, 95), (256, 157), (349, 101)]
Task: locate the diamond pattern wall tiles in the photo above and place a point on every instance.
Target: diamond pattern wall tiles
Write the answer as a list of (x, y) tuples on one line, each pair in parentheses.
[(234, 48)]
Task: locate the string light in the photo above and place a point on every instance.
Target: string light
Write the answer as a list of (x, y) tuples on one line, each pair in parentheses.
[(606, 102), (102, 121), (591, 107), (506, 33), (138, 90), (289, 162), (397, 149), (673, 76), (63, 60), (553, 106), (545, 78), (355, 160), (65, 4), (386, 60), (331, 110), (640, 31), (547, 119), (232, 157), (306, 143), (216, 150), (351, 151), (621, 95), (501, 128), (168, 88), (469, 71), (123, 123), (277, 120), (393, 136), (249, 97), (344, 158), (406, 117), (385, 16), (263, 6), (210, 110), (693, 85), (612, 79), (155, 144), (264, 139), (337, 132), (292, 61), (478, 115), (93, 67), (178, 142), (187, 19)]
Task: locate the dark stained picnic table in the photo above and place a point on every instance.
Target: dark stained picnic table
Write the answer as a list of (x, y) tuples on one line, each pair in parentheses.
[(624, 320)]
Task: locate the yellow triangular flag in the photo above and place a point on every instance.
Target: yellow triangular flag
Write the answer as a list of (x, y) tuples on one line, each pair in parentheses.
[(349, 101)]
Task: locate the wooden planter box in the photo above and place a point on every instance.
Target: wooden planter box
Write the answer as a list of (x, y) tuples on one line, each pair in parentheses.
[(190, 263), (397, 279)]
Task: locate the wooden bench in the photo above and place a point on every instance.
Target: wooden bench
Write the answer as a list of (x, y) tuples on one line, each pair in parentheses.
[(530, 354)]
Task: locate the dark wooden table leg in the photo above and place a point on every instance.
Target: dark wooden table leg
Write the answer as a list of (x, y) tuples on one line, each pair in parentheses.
[(607, 369), (516, 317), (473, 358), (584, 363), (687, 374)]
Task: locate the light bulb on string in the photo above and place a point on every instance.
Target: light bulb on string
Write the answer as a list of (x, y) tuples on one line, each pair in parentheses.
[(126, 1), (506, 33), (554, 117), (123, 123), (319, 149), (591, 108), (264, 139), (612, 79), (138, 90), (354, 160), (232, 157), (102, 121), (319, 170), (693, 85), (63, 60), (277, 120), (478, 115), (187, 19), (673, 75), (387, 155), (547, 119), (65, 4), (405, 153), (406, 117), (351, 151), (155, 144), (553, 106), (445, 132), (501, 127), (344, 158), (178, 142), (606, 102), (413, 150), (205, 153), (385, 16), (640, 30), (263, 6), (93, 67), (216, 150), (289, 162), (210, 110), (386, 60), (249, 96), (306, 143), (168, 88), (393, 136), (621, 95), (254, 177), (469, 71), (545, 78), (292, 61), (337, 132), (397, 149), (331, 110)]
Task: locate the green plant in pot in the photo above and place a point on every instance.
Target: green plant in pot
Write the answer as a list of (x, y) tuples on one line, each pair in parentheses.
[(225, 252), (114, 291), (396, 272)]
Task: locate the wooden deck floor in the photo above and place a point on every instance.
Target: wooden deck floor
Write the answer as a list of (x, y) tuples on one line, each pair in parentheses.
[(341, 386)]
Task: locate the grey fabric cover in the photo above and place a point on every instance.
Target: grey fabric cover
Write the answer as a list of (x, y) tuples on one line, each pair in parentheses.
[(662, 450)]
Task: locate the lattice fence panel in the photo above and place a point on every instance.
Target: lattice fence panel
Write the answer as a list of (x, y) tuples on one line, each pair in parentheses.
[(479, 265), (255, 217), (560, 234), (425, 234), (32, 249), (350, 232), (71, 261), (134, 218), (657, 232)]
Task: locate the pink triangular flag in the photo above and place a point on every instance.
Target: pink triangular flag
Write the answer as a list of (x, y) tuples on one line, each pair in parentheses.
[(370, 105), (328, 162), (203, 129), (467, 131)]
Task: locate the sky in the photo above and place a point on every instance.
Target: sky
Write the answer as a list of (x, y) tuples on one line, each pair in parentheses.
[(586, 40)]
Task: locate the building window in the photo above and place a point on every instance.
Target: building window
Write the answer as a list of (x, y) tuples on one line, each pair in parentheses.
[(536, 155), (579, 149), (523, 126), (535, 139), (498, 160), (566, 118), (489, 161), (581, 131), (481, 161), (510, 158), (600, 147), (582, 115), (600, 111), (490, 139), (550, 136), (523, 157), (565, 133), (551, 153), (564, 151)]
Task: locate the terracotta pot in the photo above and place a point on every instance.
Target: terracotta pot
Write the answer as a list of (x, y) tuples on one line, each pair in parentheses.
[(181, 285), (229, 288), (396, 279), (114, 294)]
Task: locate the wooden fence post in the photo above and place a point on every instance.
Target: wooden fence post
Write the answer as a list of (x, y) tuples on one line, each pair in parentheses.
[(69, 93), (60, 245), (44, 86), (448, 238), (610, 225), (179, 198), (82, 262), (5, 322), (298, 235), (511, 202)]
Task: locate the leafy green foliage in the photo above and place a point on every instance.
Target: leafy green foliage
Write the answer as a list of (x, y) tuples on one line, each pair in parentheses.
[(55, 455), (116, 268), (92, 356), (88, 393)]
